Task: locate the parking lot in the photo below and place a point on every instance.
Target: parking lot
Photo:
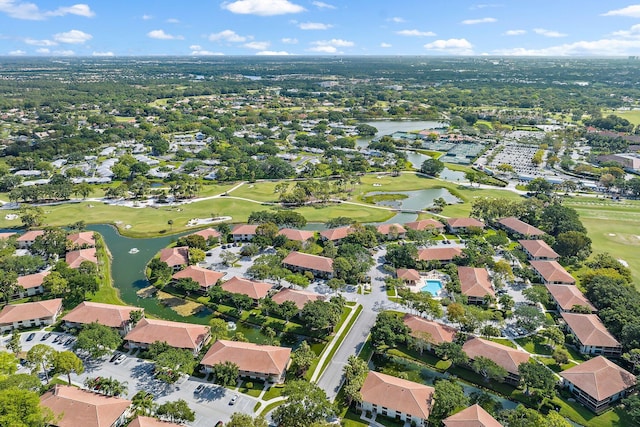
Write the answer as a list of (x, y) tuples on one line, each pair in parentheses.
[(210, 405)]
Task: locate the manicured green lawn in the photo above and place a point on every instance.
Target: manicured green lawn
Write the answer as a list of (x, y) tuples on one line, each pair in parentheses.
[(534, 344), (581, 415), (632, 115), (553, 365), (274, 391), (351, 419), (503, 341), (107, 293)]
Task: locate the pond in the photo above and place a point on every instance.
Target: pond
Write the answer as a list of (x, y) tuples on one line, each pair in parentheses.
[(416, 159), (416, 200)]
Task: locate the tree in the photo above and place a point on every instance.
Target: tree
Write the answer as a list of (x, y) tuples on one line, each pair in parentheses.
[(56, 284), (536, 294), (388, 331), (553, 335), (452, 351), (21, 408), (172, 362), (225, 373), (143, 402), (135, 316), (537, 376), (9, 285), (52, 244), (177, 411), (632, 407), (66, 363), (227, 257), (448, 398), (8, 364), (239, 419), (98, 340), (31, 216), (186, 285), (355, 372), (522, 417), (573, 244), (632, 357), (218, 329), (529, 318), (320, 315), (561, 356), (14, 344), (455, 312), (41, 356), (196, 256), (489, 369), (302, 358), (432, 167), (306, 404)]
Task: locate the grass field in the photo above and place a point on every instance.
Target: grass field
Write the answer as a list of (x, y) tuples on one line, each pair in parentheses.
[(632, 115)]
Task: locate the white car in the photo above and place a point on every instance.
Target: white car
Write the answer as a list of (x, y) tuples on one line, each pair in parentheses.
[(120, 359)]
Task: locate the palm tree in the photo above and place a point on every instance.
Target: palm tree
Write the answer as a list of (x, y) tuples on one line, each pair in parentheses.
[(170, 223), (143, 403)]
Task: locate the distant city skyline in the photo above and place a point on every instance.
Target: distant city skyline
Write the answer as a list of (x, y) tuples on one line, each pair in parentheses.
[(332, 27)]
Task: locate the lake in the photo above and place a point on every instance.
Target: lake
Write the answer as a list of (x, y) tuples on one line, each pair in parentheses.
[(416, 200)]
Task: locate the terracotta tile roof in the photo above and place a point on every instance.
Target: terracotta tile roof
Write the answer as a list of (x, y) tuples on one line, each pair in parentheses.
[(520, 227), (308, 261), (425, 224), (30, 310), (265, 359), (84, 238), (83, 408), (464, 222), (32, 280), (474, 282), (336, 233), (75, 258), (175, 256), (6, 235), (398, 394), (297, 235), (176, 334), (507, 357), (473, 416), (438, 254), (439, 333), (551, 271), (538, 248), (244, 229), (203, 276), (207, 232), (300, 298), (590, 330), (599, 378), (569, 295), (114, 316), (141, 421), (408, 274), (238, 285), (30, 235), (386, 229)]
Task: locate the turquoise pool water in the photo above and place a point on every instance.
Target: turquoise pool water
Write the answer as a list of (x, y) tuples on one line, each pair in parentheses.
[(432, 286)]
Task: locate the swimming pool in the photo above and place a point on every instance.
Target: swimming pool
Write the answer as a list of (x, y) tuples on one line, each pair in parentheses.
[(433, 286)]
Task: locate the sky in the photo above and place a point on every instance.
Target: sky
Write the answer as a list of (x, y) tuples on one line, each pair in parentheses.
[(313, 27)]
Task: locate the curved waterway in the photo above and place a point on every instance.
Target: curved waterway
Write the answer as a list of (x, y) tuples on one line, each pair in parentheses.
[(128, 269)]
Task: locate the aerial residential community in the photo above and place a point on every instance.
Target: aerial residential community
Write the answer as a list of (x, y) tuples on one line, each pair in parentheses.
[(318, 236)]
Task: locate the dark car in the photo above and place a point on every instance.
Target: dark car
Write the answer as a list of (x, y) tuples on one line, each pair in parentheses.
[(45, 336), (31, 336), (219, 424), (114, 357)]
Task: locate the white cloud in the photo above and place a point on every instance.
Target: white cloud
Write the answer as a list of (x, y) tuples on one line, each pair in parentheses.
[(257, 45), (314, 26), (262, 7), (43, 50), (515, 32), (634, 31), (289, 40), (161, 35), (17, 52), (322, 5), (146, 17), (64, 52), (478, 21), (273, 53), (228, 36), (173, 21), (103, 54), (397, 20), (485, 6), (34, 42), (31, 11), (632, 11), (200, 52), (452, 46), (73, 37), (608, 47), (548, 33), (329, 46), (415, 33), (385, 45)]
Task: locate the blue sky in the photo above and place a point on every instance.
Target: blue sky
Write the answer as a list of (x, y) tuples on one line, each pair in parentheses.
[(331, 27)]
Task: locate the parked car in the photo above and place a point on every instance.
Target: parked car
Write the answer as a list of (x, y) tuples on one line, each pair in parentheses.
[(233, 400), (120, 359), (31, 336), (199, 388), (57, 339), (115, 356), (45, 336), (219, 424)]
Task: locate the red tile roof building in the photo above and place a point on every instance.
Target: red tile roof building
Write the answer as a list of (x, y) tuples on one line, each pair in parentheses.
[(254, 290), (552, 273), (456, 225), (425, 224), (538, 250), (567, 297), (598, 383), (265, 362), (593, 336), (394, 397), (175, 257), (243, 232), (81, 408), (208, 234), (75, 258), (141, 421), (444, 255), (31, 284), (520, 228), (25, 240), (206, 278), (297, 235), (84, 239), (408, 275), (317, 265), (392, 231), (176, 334), (29, 314), (473, 416), (336, 235), (507, 357), (436, 333), (111, 315), (300, 298), (475, 284)]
